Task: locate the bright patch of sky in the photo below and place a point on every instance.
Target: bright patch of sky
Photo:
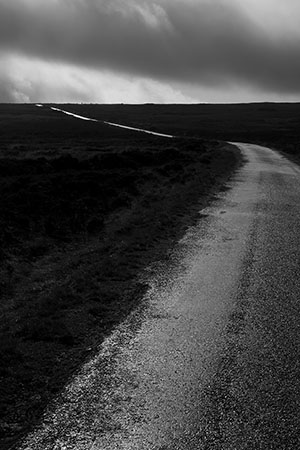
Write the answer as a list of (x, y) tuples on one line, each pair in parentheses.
[(137, 51)]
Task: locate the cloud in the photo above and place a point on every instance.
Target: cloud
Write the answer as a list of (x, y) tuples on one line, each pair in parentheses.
[(29, 80), (213, 43)]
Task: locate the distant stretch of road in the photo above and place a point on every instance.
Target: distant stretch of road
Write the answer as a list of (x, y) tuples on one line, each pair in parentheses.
[(211, 360), (109, 123)]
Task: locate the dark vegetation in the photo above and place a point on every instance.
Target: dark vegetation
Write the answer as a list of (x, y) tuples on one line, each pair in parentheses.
[(276, 125), (84, 208)]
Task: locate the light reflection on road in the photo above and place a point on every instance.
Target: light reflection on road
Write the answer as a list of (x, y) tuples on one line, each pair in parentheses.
[(77, 116)]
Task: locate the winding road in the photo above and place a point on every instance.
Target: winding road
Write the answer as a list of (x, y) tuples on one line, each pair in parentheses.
[(117, 125), (210, 360)]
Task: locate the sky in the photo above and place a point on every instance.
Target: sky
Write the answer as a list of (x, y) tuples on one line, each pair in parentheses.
[(160, 51)]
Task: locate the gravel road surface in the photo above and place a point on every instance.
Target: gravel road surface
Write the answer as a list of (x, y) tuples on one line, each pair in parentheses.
[(210, 360)]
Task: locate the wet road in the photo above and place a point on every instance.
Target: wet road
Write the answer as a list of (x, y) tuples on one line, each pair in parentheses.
[(117, 125), (211, 358)]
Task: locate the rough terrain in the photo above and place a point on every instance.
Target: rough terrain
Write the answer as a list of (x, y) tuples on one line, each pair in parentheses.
[(85, 207), (210, 360)]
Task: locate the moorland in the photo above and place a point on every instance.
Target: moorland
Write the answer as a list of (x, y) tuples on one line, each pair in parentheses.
[(85, 208), (273, 124)]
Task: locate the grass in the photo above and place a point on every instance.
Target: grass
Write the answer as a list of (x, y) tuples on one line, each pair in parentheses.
[(84, 209), (273, 124)]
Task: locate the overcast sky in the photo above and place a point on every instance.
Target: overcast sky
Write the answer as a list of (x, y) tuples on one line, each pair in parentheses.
[(136, 51)]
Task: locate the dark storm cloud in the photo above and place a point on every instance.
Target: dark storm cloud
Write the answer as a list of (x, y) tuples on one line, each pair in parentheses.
[(205, 42)]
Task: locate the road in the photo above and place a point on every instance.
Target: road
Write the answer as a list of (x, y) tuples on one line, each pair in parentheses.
[(210, 360), (117, 125)]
